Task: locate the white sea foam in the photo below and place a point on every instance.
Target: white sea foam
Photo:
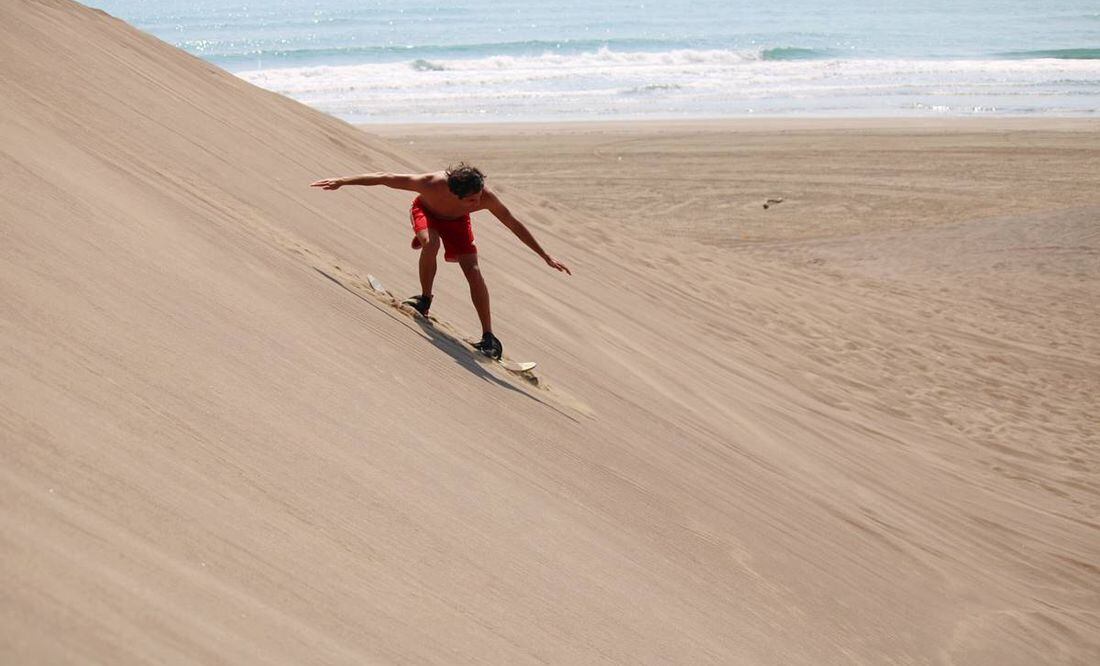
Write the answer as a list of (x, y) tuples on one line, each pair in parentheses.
[(607, 83)]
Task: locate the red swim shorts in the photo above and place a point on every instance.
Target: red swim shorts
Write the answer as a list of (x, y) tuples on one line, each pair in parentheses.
[(457, 234)]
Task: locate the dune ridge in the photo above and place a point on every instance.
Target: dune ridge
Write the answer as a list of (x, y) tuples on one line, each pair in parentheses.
[(213, 453)]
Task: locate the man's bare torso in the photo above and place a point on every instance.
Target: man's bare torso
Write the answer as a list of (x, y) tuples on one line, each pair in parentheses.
[(438, 199)]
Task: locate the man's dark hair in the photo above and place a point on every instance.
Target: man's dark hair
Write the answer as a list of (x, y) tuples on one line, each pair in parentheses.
[(464, 180)]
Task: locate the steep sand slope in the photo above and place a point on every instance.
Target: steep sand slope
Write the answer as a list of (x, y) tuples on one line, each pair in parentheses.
[(213, 452)]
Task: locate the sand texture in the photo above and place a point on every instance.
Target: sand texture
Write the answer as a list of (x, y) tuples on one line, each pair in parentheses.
[(858, 427)]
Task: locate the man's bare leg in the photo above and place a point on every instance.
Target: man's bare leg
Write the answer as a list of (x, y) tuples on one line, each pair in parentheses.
[(479, 293), (429, 248)]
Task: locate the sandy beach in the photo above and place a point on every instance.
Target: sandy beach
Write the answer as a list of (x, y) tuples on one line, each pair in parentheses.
[(707, 180), (857, 426)]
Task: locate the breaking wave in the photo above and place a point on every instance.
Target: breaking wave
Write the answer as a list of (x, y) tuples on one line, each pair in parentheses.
[(605, 83)]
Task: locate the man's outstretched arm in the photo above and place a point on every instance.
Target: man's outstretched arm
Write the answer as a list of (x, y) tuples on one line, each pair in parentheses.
[(501, 212), (398, 181)]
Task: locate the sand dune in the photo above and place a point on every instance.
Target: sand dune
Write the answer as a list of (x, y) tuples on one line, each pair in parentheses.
[(830, 449)]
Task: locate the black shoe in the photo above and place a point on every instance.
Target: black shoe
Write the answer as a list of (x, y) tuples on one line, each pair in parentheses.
[(490, 346), (419, 303)]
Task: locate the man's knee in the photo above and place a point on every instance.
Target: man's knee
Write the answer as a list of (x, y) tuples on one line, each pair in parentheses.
[(470, 267)]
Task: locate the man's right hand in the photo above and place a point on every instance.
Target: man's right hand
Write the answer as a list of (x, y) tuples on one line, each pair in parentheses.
[(329, 183)]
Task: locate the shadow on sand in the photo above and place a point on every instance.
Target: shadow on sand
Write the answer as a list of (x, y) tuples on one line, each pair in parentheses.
[(444, 342)]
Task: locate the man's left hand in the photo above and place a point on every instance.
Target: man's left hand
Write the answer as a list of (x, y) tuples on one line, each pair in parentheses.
[(554, 263)]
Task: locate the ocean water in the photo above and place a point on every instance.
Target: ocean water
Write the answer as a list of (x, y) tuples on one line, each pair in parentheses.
[(471, 60)]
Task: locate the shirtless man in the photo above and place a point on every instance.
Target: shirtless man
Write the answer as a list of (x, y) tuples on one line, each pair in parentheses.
[(441, 212)]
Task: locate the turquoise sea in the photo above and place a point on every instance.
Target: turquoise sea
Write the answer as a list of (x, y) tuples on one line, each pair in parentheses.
[(469, 60)]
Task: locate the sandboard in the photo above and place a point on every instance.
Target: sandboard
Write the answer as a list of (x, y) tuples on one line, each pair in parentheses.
[(518, 367), (508, 364), (376, 285)]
